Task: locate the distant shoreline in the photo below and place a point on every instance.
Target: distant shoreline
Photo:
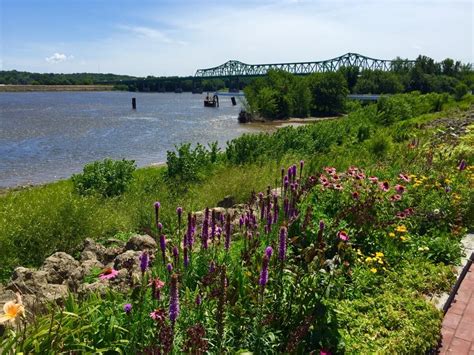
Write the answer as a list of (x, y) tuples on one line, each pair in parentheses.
[(31, 88)]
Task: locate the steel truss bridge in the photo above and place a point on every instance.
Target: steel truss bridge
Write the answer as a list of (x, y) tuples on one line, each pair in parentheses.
[(234, 68)]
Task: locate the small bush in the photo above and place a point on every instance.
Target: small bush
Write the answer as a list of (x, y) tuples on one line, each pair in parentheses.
[(380, 145), (108, 177), (190, 165)]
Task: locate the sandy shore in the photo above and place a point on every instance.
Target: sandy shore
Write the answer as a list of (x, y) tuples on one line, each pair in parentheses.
[(270, 126)]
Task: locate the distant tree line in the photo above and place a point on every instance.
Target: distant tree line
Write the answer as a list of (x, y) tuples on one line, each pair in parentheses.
[(281, 95), (13, 77)]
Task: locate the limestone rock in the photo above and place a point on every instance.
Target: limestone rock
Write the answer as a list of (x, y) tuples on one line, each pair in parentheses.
[(60, 267), (227, 202), (141, 242)]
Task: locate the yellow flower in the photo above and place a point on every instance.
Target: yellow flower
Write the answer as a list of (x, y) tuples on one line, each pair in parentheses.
[(401, 229), (391, 234), (12, 310), (374, 270), (379, 254), (368, 259), (403, 238), (447, 181)]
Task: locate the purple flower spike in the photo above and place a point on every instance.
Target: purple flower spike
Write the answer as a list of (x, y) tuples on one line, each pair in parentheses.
[(127, 308), (185, 256), (282, 246), (227, 233), (212, 266), (157, 206), (198, 300), (262, 281), (179, 212), (462, 165), (159, 226), (144, 261), (175, 256), (163, 244), (169, 267), (174, 299), (321, 225)]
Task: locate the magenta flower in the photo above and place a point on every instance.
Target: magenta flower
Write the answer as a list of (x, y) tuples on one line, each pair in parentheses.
[(373, 179), (156, 286), (400, 188), (337, 187), (355, 195), (158, 315), (462, 165), (108, 274), (384, 186), (396, 197), (404, 177), (343, 236), (263, 280), (330, 170)]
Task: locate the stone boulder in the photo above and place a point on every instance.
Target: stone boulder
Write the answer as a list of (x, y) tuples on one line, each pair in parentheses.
[(226, 202), (141, 242), (60, 268), (35, 283), (93, 250)]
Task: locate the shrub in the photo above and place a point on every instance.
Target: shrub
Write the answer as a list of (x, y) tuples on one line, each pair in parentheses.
[(189, 165), (380, 145), (108, 177), (460, 90)]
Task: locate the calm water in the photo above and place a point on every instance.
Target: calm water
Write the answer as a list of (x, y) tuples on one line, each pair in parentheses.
[(48, 136)]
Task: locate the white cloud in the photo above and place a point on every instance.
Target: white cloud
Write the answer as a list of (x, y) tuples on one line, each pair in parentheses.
[(58, 58), (151, 33)]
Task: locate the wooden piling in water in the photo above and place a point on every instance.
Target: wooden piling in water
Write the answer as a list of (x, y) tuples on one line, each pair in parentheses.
[(134, 103)]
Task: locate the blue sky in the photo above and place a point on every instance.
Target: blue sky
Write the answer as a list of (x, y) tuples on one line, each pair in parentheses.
[(177, 37)]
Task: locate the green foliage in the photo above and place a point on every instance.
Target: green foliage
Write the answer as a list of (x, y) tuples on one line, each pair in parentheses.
[(108, 178), (14, 77), (329, 92), (188, 165), (380, 145), (393, 322), (378, 82), (460, 90)]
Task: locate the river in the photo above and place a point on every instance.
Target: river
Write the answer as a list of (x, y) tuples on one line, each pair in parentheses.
[(46, 136)]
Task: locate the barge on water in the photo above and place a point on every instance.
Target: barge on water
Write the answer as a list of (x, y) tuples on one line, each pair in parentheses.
[(211, 101)]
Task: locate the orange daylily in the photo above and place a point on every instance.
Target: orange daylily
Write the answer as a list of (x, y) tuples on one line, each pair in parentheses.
[(12, 310)]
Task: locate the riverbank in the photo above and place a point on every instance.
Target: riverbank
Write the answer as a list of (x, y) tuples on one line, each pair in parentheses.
[(363, 204), (32, 88)]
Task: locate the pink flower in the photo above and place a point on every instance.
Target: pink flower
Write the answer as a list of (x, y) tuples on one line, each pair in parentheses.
[(400, 188), (401, 215), (373, 179), (337, 186), (360, 176), (158, 315), (108, 274), (343, 236), (335, 177), (355, 195), (384, 186), (330, 170), (396, 197), (404, 177), (324, 352)]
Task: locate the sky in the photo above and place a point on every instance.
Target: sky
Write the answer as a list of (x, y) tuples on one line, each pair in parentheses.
[(163, 38)]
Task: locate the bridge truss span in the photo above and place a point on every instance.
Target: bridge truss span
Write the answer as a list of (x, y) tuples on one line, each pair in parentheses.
[(234, 68)]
